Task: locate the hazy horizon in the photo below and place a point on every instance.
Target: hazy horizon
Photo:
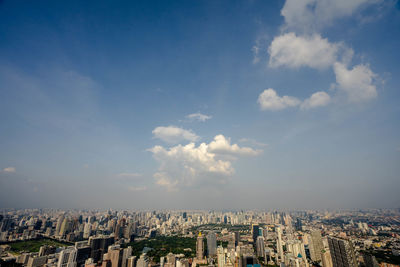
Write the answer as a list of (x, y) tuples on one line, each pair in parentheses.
[(287, 105)]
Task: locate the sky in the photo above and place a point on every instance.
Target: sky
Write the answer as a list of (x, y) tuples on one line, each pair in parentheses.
[(278, 104)]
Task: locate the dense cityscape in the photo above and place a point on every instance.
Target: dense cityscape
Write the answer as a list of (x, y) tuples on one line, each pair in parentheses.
[(57, 238), (200, 133)]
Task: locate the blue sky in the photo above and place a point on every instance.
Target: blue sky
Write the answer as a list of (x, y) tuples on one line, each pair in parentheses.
[(200, 104)]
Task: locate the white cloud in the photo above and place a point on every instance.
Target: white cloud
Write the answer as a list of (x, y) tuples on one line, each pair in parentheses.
[(312, 15), (270, 100), (173, 134), (297, 51), (357, 83), (309, 49), (190, 164), (137, 188), (129, 174), (198, 117), (222, 145), (9, 169), (318, 99)]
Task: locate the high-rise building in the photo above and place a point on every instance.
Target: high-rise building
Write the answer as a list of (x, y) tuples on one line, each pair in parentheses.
[(237, 238), (296, 248), (126, 253), (221, 256), (99, 246), (260, 247), (315, 245), (326, 259), (342, 252), (83, 253), (46, 250), (171, 260), (212, 244), (67, 257), (162, 261), (255, 231), (132, 262), (279, 244), (87, 230), (370, 260), (36, 261), (58, 226), (299, 224), (65, 227), (143, 261), (200, 247)]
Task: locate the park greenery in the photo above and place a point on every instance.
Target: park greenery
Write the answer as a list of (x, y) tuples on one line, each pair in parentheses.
[(34, 245), (160, 246)]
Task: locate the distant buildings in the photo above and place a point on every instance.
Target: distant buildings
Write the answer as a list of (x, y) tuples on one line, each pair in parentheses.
[(249, 238)]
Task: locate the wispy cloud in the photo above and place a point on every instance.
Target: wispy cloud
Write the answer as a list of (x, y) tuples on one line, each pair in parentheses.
[(252, 142), (198, 117)]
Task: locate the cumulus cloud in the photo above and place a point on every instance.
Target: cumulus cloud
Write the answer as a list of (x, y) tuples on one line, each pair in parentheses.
[(312, 15), (357, 83), (303, 46), (222, 145), (295, 51), (318, 99), (198, 117), (190, 164), (9, 169), (270, 100), (173, 134)]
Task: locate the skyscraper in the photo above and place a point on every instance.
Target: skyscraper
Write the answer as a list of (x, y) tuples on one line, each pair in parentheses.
[(212, 244), (99, 246), (342, 252), (279, 244), (67, 257), (127, 252), (143, 261), (221, 256), (327, 259), (87, 230), (315, 245), (59, 222), (260, 247), (255, 231), (200, 247)]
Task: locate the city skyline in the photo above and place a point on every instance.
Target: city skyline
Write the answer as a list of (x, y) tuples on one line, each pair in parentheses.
[(287, 105)]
